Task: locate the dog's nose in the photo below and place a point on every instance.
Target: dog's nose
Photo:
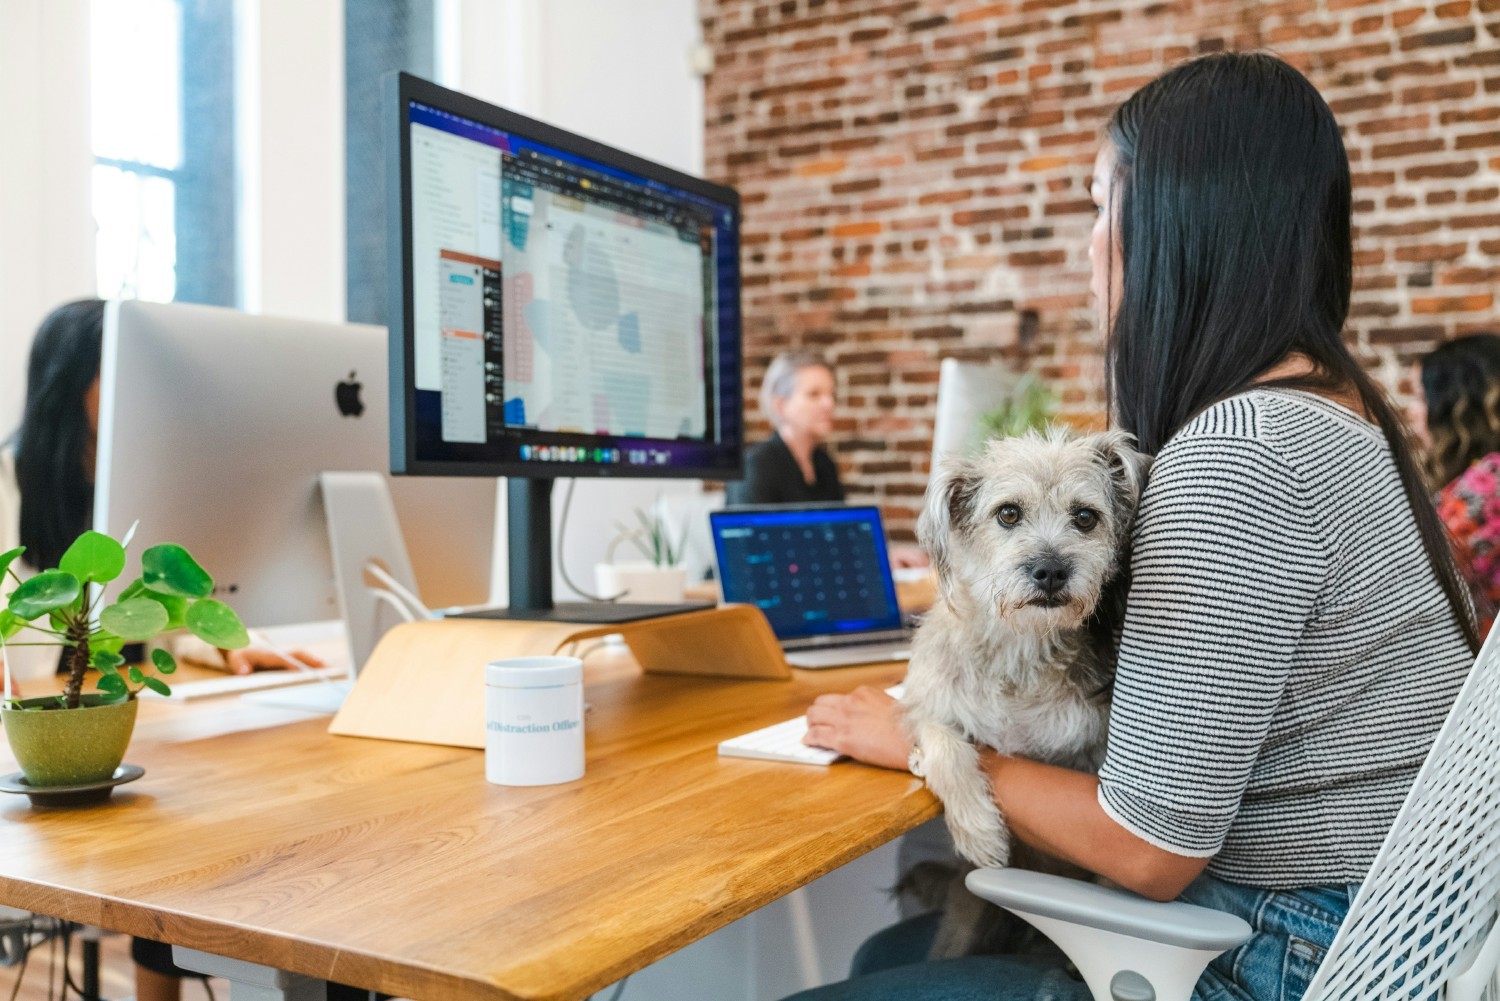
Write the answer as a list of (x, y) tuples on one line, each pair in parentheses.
[(1050, 574)]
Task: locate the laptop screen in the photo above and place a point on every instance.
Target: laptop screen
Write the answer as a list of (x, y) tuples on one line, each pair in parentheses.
[(814, 571)]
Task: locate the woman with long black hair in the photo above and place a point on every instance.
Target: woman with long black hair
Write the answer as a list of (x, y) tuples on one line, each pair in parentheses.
[(1295, 628), (47, 465)]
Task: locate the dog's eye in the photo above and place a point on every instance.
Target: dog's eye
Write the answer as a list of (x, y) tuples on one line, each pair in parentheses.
[(1085, 519), (1009, 515)]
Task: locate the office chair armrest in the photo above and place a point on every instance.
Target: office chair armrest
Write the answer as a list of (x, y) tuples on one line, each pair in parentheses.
[(1128, 948)]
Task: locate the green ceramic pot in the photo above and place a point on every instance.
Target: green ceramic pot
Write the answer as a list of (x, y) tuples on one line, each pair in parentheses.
[(63, 747)]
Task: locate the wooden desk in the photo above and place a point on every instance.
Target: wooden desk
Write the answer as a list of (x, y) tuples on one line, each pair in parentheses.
[(397, 867)]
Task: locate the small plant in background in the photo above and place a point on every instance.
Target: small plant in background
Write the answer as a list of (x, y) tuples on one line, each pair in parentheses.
[(1030, 406), (56, 608), (652, 537)]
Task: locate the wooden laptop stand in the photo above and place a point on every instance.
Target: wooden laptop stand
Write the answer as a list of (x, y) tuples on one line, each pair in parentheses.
[(425, 680)]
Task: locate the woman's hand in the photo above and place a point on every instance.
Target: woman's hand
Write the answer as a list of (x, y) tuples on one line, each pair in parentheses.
[(255, 658), (865, 724), (905, 557)]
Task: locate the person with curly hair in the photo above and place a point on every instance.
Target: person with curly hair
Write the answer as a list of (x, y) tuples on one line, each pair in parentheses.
[(1458, 419)]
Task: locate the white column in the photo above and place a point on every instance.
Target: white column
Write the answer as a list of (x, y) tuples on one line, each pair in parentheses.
[(46, 217), (289, 95)]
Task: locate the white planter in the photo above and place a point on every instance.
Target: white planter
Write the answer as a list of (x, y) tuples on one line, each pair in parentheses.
[(643, 583)]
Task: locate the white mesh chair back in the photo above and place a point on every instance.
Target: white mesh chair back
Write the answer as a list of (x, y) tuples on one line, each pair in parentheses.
[(1430, 899)]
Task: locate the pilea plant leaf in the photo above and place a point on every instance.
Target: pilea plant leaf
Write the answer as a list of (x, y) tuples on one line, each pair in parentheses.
[(7, 558), (48, 590), (10, 623), (137, 675), (157, 685), (176, 607), (216, 623), (134, 620), (106, 641), (95, 557), (164, 661), (111, 684), (168, 569)]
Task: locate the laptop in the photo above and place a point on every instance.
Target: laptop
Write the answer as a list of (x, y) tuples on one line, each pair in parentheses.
[(822, 577)]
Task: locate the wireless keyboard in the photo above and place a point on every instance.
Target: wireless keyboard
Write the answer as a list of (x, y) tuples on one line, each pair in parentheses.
[(783, 742), (238, 684)]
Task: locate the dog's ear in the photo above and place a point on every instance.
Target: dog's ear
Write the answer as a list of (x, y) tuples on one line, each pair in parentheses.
[(949, 503), (1127, 472)]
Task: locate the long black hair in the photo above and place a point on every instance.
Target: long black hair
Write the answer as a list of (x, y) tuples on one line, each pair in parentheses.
[(55, 442), (1233, 195), (1461, 385)]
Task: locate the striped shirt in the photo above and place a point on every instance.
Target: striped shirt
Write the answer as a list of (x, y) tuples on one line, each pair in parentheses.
[(1288, 654)]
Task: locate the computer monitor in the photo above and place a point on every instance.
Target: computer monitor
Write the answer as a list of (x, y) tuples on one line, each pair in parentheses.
[(559, 308), (967, 391), (213, 428)]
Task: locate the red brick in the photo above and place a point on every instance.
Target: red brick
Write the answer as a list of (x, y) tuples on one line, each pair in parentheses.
[(847, 230), (1439, 92), (1448, 36), (1477, 140), (1411, 147), (1476, 222), (1430, 171), (1432, 252), (1453, 304)]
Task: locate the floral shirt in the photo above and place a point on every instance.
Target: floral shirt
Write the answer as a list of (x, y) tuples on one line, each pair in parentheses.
[(1470, 507)]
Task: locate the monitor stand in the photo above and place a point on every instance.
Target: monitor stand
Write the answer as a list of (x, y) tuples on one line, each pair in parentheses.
[(529, 556)]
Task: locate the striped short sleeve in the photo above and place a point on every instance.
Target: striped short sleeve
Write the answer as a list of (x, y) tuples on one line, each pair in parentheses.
[(1228, 566)]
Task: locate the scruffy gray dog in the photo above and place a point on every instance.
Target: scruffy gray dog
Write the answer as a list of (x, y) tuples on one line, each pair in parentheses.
[(1024, 538)]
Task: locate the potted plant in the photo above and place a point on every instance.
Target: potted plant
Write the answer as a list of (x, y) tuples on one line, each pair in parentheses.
[(1030, 405), (78, 737), (659, 577)]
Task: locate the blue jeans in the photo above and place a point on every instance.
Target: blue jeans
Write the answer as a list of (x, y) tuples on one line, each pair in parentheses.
[(1293, 930)]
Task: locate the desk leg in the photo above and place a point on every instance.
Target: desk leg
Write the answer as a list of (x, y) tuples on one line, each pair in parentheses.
[(251, 981)]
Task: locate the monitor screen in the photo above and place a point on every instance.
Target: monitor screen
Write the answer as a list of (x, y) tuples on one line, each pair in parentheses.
[(813, 571), (564, 308)]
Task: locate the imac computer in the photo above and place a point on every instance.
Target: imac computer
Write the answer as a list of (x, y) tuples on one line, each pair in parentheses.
[(214, 426), (559, 308)]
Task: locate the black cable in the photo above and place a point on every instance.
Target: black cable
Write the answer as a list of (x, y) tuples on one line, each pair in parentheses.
[(15, 991), (619, 989), (562, 564), (209, 988), (65, 932)]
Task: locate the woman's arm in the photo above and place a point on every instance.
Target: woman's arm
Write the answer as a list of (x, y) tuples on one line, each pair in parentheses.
[(1055, 810)]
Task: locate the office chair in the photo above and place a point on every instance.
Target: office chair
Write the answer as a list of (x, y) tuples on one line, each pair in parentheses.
[(1423, 925)]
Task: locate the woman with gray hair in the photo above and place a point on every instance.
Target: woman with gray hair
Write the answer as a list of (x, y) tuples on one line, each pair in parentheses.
[(792, 466)]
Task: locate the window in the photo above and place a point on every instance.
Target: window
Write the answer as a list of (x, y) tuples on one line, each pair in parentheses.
[(163, 143)]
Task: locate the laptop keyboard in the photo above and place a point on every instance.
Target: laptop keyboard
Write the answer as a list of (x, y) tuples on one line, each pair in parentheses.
[(844, 656)]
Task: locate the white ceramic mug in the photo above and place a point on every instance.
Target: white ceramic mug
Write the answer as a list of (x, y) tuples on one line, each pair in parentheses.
[(533, 721)]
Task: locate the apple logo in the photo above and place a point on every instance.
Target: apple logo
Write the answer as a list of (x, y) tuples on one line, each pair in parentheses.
[(346, 394)]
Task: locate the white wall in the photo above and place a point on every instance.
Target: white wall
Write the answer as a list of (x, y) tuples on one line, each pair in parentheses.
[(614, 70), (46, 222)]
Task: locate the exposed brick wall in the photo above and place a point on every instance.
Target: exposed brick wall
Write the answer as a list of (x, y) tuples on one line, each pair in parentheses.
[(914, 182)]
